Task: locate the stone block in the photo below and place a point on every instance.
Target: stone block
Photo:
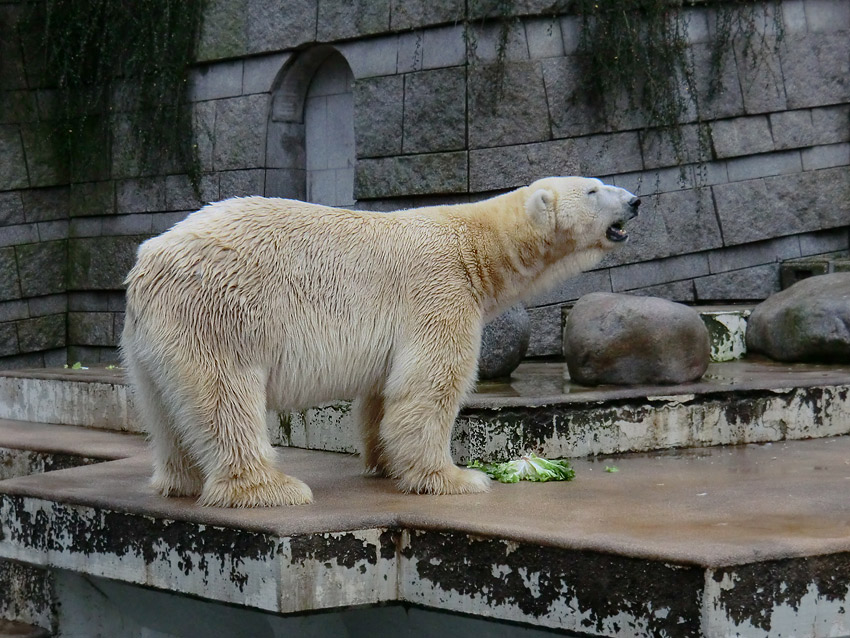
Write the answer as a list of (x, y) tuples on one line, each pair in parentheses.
[(816, 69), (181, 196), (756, 283), (41, 333), (51, 231), (48, 305), (161, 222), (824, 16), (13, 168), (650, 273), (92, 199), (286, 182), (370, 58), (224, 30), (679, 291), (378, 110), (825, 241), (507, 104), (609, 153), (91, 329), (88, 301), (45, 204), (12, 71), (570, 33), (275, 25), (11, 208), (134, 224), (721, 98), (547, 332), (761, 75), (344, 19), (260, 72), (544, 38), (8, 339), (203, 126), (435, 110), (241, 183), (765, 165), (673, 223), (85, 227), (411, 51), (794, 16), (574, 287), (792, 129), (570, 118), (126, 157), (431, 173), (741, 136), (19, 234), (42, 267), (831, 124), (101, 263), (14, 310), (755, 254), (17, 107), (500, 40), (442, 47), (10, 286), (663, 180), (410, 14), (240, 132), (661, 149), (513, 166), (215, 81), (141, 195), (794, 270), (826, 156), (43, 165)]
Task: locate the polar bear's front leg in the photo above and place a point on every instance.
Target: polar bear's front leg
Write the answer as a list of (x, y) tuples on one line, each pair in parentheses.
[(233, 448), (368, 413), (421, 402)]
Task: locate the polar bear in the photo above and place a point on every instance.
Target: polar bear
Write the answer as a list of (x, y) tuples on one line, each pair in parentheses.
[(256, 302)]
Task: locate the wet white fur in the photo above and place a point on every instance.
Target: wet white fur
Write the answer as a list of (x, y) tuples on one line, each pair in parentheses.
[(258, 302)]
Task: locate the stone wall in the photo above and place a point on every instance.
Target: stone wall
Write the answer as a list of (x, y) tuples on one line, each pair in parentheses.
[(429, 127)]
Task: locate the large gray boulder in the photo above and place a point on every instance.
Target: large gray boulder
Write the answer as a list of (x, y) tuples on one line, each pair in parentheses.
[(810, 321), (627, 340), (504, 343)]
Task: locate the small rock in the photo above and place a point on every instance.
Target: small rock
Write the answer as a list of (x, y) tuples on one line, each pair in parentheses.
[(504, 342), (810, 321), (627, 340)]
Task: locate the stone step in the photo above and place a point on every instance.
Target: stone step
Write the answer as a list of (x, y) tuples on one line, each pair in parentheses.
[(32, 448), (745, 541), (539, 410)]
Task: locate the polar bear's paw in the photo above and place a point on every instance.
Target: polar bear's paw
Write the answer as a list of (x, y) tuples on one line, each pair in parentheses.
[(271, 489), (449, 480), (177, 482)]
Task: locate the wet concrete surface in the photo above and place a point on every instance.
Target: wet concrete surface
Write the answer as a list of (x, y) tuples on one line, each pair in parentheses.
[(711, 507)]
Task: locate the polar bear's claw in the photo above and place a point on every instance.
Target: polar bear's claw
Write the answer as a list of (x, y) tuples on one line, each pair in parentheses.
[(273, 490)]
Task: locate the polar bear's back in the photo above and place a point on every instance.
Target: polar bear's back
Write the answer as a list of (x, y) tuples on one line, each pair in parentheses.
[(306, 290)]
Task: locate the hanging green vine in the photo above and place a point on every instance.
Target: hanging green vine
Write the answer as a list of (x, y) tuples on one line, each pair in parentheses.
[(640, 49), (118, 65)]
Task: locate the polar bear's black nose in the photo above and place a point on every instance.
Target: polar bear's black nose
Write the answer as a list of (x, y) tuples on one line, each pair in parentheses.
[(634, 202)]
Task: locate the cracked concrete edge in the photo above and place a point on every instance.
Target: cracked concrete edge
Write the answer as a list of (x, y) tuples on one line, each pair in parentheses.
[(589, 592)]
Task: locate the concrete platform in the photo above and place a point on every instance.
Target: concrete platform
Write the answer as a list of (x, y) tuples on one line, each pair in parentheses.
[(751, 540), (539, 409)]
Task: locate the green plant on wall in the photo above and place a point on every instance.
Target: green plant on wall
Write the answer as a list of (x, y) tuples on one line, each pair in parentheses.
[(117, 72), (639, 50)]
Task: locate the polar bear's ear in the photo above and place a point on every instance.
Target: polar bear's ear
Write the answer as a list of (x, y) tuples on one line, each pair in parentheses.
[(539, 205)]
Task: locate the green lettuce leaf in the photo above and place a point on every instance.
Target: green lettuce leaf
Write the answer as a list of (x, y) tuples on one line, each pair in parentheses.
[(528, 467)]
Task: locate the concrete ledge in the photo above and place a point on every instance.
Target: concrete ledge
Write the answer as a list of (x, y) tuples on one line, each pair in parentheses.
[(540, 410), (727, 541)]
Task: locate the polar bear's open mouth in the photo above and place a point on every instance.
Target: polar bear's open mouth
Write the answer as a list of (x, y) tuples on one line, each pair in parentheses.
[(616, 232)]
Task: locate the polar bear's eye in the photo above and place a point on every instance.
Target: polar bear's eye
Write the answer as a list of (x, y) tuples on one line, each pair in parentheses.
[(592, 191)]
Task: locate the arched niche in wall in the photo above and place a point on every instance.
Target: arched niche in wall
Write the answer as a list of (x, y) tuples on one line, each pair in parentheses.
[(310, 145)]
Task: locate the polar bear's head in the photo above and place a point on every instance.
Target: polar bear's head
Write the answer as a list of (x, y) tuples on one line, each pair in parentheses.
[(583, 209)]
